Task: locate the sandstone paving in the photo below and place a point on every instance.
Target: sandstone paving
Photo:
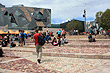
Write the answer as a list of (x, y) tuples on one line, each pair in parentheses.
[(25, 65), (5, 58), (90, 43), (9, 71), (90, 50), (69, 65), (28, 62), (20, 48), (16, 54), (101, 69)]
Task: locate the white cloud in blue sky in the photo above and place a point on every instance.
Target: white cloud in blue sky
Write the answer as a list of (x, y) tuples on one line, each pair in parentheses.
[(62, 10)]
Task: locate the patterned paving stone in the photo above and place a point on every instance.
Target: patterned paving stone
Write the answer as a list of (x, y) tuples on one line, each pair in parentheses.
[(90, 43), (91, 50), (5, 58), (25, 65), (16, 54), (69, 65)]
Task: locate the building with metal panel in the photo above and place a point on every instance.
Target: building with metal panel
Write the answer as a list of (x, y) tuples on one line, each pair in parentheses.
[(21, 17)]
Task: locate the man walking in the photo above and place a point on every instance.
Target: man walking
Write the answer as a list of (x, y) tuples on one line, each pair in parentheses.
[(38, 47)]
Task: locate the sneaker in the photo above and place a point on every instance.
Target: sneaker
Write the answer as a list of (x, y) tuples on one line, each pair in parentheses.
[(38, 61)]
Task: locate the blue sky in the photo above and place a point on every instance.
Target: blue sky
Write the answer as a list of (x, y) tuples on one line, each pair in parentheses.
[(64, 10)]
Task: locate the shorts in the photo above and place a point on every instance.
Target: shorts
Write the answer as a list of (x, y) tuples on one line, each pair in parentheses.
[(21, 40)]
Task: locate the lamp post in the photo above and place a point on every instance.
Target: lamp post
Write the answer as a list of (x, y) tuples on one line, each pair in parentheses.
[(85, 20)]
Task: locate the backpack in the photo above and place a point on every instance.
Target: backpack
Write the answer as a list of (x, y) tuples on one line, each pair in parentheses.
[(41, 40)]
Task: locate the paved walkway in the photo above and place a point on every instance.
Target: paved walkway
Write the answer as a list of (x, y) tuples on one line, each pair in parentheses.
[(70, 58)]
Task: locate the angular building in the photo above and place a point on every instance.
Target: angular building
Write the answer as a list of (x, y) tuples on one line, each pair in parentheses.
[(21, 17)]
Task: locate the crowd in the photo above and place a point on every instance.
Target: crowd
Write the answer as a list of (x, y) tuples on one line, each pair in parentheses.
[(105, 33), (60, 39), (56, 41), (10, 40)]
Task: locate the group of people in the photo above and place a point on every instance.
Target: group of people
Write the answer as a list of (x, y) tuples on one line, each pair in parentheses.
[(104, 32), (61, 39), (91, 39), (8, 39)]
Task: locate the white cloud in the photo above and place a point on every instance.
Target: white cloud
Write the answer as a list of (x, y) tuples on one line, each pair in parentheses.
[(64, 9)]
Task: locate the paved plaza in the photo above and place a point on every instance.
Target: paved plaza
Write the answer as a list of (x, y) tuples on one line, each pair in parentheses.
[(78, 56)]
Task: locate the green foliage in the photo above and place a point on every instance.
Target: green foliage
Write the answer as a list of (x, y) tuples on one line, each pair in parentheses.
[(74, 25), (55, 25), (98, 14), (105, 20)]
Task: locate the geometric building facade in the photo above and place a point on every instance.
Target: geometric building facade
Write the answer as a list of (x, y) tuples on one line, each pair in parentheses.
[(20, 17)]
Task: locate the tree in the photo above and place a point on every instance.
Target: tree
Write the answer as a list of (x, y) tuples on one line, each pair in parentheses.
[(98, 16), (105, 20), (74, 25)]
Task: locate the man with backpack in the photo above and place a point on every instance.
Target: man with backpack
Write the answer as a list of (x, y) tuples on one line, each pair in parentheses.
[(38, 44)]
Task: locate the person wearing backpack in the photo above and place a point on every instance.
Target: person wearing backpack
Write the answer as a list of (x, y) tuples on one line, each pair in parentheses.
[(38, 46)]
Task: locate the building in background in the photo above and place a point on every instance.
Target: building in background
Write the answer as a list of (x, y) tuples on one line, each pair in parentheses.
[(93, 26), (27, 18)]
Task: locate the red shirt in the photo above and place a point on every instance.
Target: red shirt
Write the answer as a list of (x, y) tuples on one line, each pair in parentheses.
[(35, 36), (1, 37)]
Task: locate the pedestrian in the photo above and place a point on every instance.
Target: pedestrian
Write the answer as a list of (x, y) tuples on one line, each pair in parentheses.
[(22, 37), (47, 37), (54, 42), (8, 37), (109, 33), (59, 33), (89, 31), (65, 40), (19, 38), (62, 40), (95, 33), (4, 43), (105, 33), (63, 32), (1, 52), (38, 47), (90, 37), (12, 43), (59, 42)]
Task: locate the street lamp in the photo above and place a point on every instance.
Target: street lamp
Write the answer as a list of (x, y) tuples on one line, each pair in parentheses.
[(84, 15)]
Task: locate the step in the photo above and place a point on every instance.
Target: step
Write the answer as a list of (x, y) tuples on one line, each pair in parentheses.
[(73, 55), (82, 45)]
